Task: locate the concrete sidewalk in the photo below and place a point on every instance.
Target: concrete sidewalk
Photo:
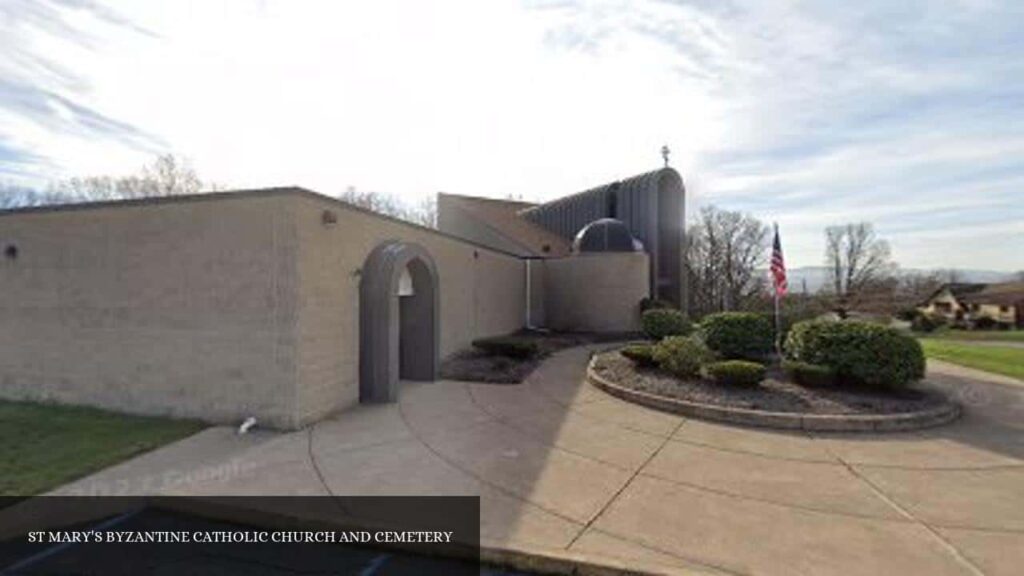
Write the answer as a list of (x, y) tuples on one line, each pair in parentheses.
[(569, 472)]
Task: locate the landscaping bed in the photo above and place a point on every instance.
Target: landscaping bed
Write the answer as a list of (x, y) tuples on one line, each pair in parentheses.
[(834, 375), (510, 359), (774, 394)]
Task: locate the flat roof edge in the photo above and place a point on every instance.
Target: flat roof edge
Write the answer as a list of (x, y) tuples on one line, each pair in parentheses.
[(157, 200), (227, 195)]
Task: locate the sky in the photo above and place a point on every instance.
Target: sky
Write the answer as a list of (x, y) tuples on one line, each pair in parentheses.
[(908, 115)]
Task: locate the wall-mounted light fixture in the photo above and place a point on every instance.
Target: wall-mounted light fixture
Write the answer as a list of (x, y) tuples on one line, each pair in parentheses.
[(11, 252)]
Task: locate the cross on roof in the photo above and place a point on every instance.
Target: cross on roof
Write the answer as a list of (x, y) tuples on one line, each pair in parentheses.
[(664, 154)]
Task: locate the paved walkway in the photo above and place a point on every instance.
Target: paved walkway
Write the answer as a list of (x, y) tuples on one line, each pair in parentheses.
[(566, 470)]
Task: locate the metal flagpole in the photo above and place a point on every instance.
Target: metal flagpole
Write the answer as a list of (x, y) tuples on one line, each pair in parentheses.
[(778, 326), (775, 290)]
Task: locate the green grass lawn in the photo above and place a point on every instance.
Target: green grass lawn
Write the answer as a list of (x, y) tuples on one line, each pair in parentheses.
[(43, 446), (1006, 361), (983, 335)]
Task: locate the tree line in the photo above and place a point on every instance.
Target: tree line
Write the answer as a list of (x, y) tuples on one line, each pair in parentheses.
[(167, 175), (727, 255), (170, 175)]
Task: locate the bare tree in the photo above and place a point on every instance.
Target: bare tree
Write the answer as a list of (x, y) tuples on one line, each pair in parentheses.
[(858, 262), (13, 196), (166, 176), (917, 286), (724, 255), (423, 213), (172, 176)]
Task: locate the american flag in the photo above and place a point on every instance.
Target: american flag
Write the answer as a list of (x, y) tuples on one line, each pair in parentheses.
[(778, 266)]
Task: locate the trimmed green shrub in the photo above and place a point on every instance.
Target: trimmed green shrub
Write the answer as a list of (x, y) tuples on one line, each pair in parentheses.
[(738, 335), (508, 346), (786, 321), (858, 352), (682, 356), (927, 323), (735, 372), (660, 323), (654, 304), (641, 354), (907, 314), (806, 374), (986, 323)]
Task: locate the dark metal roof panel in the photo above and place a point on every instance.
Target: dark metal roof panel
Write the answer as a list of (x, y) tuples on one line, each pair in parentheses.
[(630, 200)]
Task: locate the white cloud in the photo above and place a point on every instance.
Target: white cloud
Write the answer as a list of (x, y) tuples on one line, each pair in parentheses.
[(801, 113)]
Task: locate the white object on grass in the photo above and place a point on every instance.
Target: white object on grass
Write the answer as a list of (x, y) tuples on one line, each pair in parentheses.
[(248, 423)]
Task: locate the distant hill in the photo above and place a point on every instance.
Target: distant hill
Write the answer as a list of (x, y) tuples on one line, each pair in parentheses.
[(816, 276)]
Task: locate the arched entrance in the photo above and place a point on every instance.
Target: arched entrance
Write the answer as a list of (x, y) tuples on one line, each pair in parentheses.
[(398, 319)]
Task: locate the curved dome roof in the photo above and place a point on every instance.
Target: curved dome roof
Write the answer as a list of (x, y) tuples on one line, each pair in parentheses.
[(605, 235)]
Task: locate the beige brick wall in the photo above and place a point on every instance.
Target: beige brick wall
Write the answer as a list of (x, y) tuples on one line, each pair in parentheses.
[(218, 307), (597, 292), (482, 293), (182, 308)]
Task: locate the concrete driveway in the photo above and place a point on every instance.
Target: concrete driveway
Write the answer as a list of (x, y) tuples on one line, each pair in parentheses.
[(566, 471)]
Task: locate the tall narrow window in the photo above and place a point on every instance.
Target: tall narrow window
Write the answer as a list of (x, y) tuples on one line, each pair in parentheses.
[(613, 201)]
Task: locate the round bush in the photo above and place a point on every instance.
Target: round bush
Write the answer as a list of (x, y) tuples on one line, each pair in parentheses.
[(682, 356), (735, 372), (858, 352), (738, 335), (653, 304), (640, 354), (805, 374), (907, 314), (927, 323), (658, 323), (986, 323)]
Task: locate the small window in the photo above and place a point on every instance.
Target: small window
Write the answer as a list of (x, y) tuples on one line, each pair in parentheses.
[(11, 252), (612, 201)]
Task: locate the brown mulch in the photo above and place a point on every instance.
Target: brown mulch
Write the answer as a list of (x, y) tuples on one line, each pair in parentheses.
[(774, 394), (473, 365)]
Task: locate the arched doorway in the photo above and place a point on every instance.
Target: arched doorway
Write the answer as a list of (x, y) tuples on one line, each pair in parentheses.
[(398, 319)]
